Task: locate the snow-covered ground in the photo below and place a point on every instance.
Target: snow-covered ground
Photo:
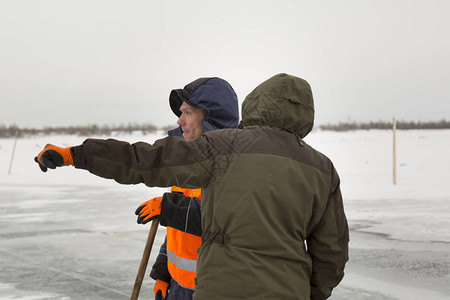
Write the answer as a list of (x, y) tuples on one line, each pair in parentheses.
[(67, 234)]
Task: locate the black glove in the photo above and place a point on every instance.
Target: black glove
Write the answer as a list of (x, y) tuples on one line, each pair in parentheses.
[(159, 296)]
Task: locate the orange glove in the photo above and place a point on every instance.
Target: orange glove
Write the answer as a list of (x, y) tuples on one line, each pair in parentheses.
[(52, 157), (161, 288), (149, 210)]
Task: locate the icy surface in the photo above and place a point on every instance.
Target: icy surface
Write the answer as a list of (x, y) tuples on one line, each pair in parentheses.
[(67, 234)]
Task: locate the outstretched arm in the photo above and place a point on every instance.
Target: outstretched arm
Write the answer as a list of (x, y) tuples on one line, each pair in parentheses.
[(169, 161)]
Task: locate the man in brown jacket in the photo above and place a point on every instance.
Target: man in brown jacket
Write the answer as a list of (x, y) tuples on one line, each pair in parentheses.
[(273, 220)]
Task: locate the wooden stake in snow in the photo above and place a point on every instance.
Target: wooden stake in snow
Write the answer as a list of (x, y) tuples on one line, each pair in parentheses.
[(12, 156), (394, 127)]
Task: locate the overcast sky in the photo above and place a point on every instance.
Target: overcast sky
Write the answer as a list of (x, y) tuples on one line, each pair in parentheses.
[(115, 62)]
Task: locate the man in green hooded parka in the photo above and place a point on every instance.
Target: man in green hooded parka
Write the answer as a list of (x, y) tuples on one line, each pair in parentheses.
[(273, 222)]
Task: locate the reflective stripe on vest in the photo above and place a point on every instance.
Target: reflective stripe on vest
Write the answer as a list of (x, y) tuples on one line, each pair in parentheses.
[(182, 249), (185, 279), (182, 263)]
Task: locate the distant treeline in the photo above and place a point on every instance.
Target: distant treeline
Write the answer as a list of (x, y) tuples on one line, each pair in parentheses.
[(347, 126), (90, 130), (87, 130)]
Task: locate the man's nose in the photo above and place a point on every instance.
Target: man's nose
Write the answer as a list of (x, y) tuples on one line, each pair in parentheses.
[(180, 120)]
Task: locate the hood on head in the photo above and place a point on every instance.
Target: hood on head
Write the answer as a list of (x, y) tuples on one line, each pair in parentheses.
[(283, 101), (214, 96)]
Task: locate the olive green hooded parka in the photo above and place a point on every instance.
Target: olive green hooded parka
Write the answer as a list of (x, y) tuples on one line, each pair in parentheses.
[(272, 214)]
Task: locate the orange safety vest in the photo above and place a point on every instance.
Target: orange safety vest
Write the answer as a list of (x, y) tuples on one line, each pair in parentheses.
[(182, 249)]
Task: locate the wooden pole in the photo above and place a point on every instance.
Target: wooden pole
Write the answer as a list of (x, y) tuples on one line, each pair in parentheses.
[(12, 155), (394, 128), (144, 260)]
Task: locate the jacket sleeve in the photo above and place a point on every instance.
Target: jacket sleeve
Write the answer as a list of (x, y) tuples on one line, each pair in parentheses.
[(169, 161), (328, 245), (182, 213), (159, 269)]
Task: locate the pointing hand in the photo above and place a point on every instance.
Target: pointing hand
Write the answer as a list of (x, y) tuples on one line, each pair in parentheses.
[(53, 156)]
